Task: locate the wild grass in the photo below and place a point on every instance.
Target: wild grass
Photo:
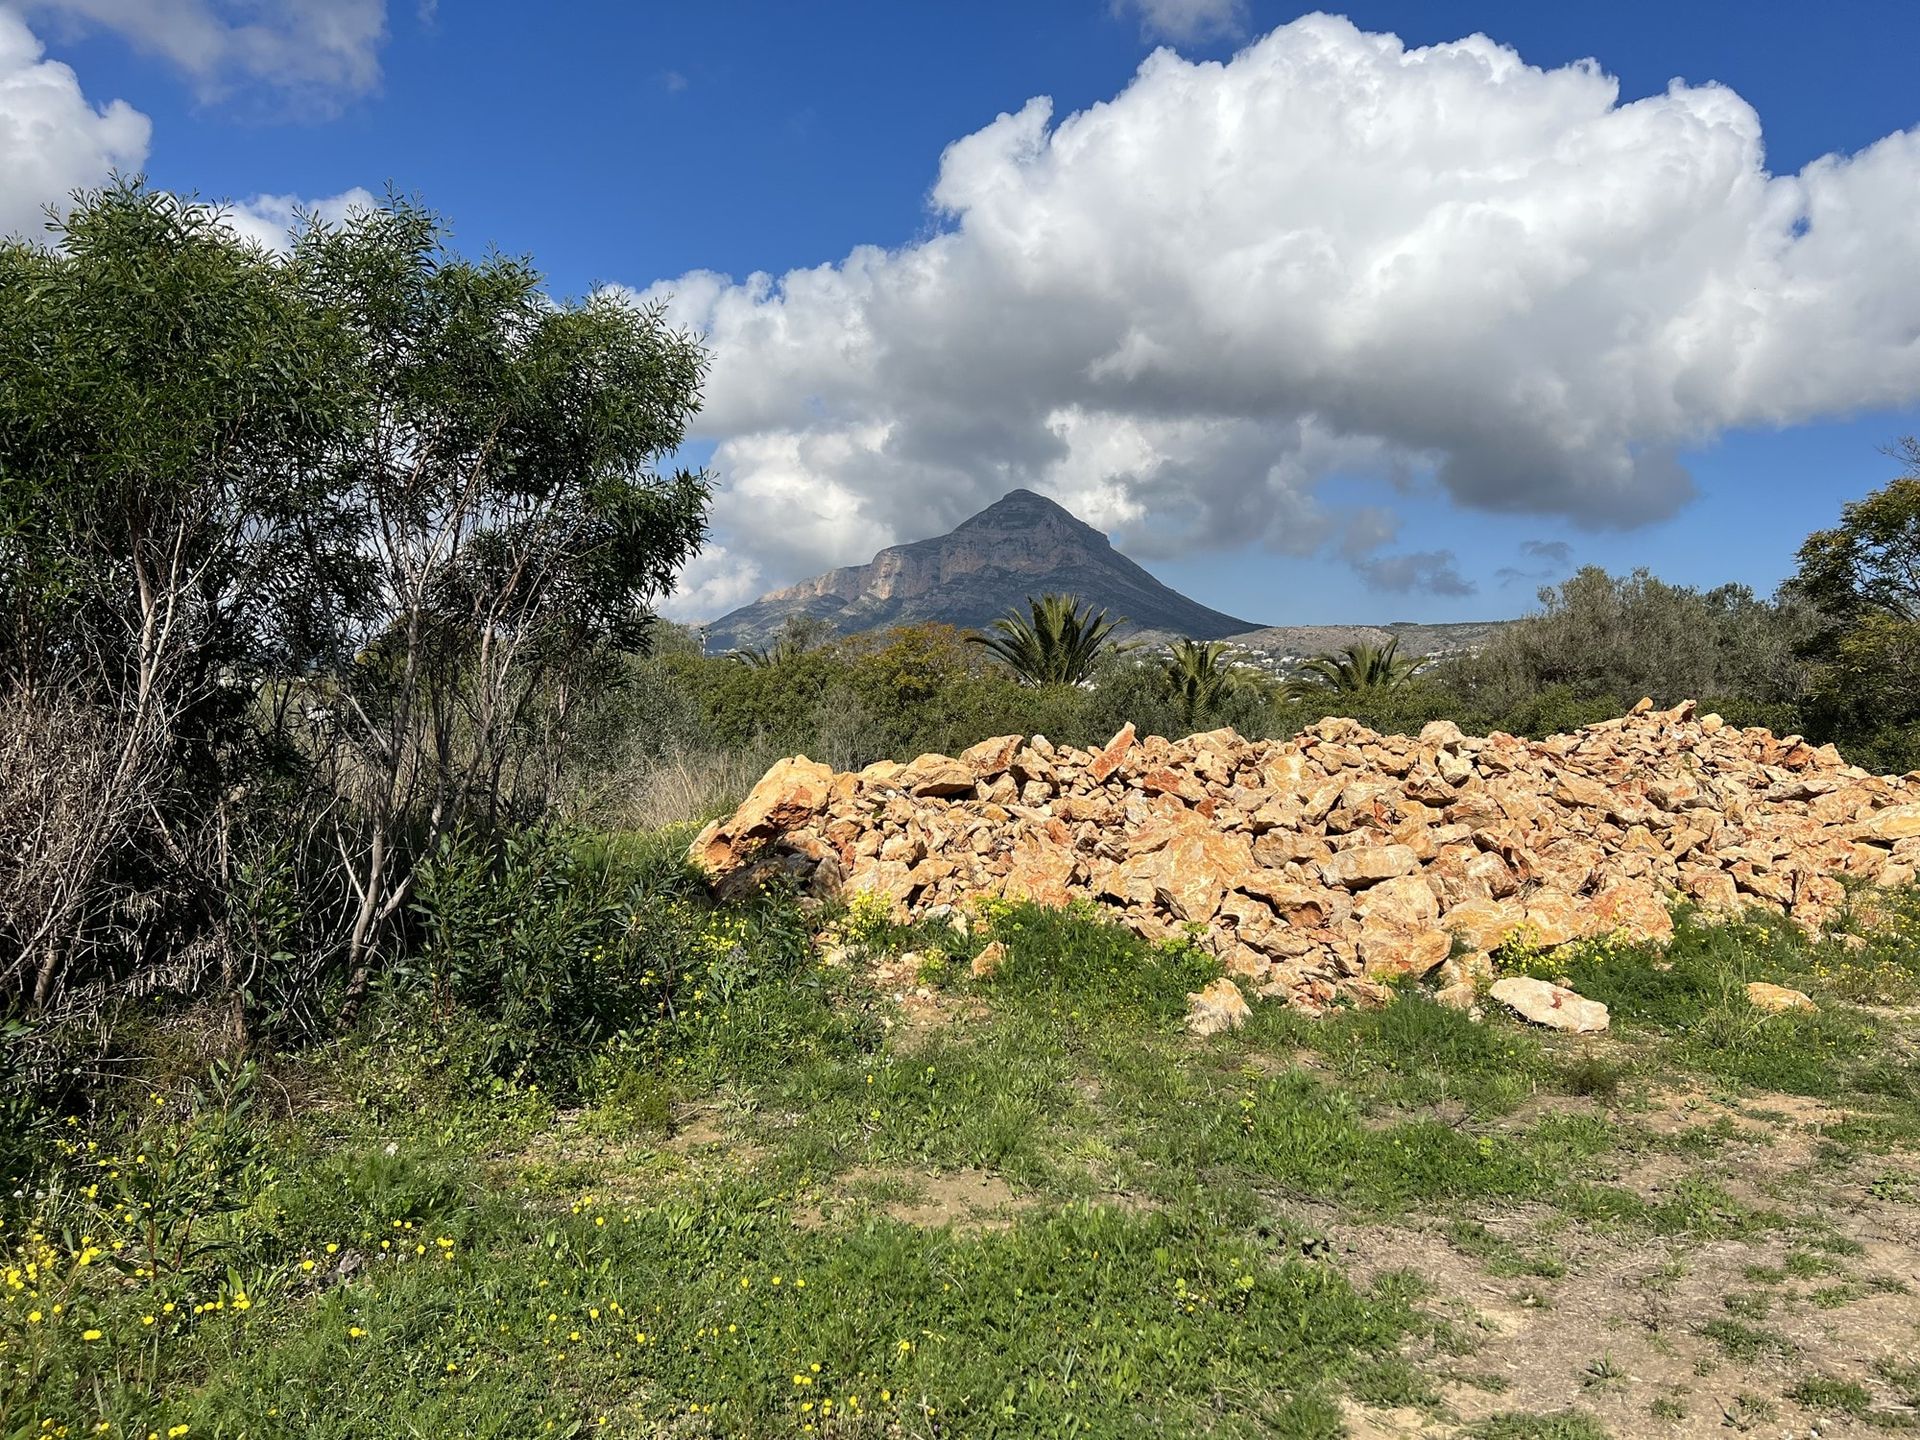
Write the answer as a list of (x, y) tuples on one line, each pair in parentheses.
[(397, 1235)]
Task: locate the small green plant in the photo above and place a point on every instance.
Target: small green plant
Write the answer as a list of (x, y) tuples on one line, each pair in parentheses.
[(1601, 1372), (1559, 1425), (1829, 1396), (1742, 1342)]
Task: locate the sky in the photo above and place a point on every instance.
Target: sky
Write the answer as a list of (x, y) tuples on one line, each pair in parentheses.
[(1395, 313)]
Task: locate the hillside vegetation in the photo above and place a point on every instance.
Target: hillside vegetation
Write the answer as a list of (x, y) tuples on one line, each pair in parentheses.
[(377, 1066)]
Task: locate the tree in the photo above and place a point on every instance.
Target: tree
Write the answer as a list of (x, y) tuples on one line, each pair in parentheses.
[(1862, 579), (1201, 681), (798, 635), (508, 531), (169, 406), (368, 509), (1869, 565), (1610, 639), (1356, 667), (1059, 645)]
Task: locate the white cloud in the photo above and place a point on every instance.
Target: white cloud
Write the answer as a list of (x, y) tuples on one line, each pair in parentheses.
[(1180, 310), (1186, 20), (52, 142), (713, 582), (270, 219), (318, 50)]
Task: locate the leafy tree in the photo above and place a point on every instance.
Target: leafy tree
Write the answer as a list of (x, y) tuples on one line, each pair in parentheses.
[(1059, 645), (170, 407), (370, 507), (1862, 579), (509, 531), (1609, 640), (1356, 667), (1869, 565)]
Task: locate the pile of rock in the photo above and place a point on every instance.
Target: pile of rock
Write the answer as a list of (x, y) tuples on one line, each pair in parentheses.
[(1324, 865)]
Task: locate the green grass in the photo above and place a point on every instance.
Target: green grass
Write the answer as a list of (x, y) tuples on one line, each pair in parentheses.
[(1830, 1396), (1745, 1343), (1560, 1425), (397, 1235)]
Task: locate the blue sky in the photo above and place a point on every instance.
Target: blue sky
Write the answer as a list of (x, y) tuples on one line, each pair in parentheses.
[(642, 144)]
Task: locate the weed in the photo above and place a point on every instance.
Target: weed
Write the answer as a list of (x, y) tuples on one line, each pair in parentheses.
[(1743, 1342), (1518, 1425), (1832, 1397)]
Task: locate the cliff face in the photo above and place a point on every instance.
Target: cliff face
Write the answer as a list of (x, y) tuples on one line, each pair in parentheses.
[(1021, 545)]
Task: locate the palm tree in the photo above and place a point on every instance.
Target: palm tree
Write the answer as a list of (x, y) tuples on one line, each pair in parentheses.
[(800, 634), (1059, 646), (1357, 667), (1199, 681)]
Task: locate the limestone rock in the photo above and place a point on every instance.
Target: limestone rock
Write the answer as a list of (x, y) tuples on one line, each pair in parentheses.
[(1554, 1006), (1219, 1006), (1365, 865), (987, 963), (1318, 867), (1777, 998)]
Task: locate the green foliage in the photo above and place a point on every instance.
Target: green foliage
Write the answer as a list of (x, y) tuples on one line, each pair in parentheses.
[(583, 963), (341, 535), (1601, 642), (1359, 667), (1204, 685), (1059, 645), (1559, 1425), (1863, 578)]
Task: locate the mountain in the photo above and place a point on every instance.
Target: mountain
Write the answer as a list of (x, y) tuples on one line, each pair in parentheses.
[(1023, 544)]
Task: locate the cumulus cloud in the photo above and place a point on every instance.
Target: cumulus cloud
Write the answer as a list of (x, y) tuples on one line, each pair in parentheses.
[(317, 50), (713, 582), (52, 142), (1180, 310), (269, 220), (1185, 20)]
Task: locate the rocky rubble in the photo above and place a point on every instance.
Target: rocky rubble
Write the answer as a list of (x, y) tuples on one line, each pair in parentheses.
[(1321, 866)]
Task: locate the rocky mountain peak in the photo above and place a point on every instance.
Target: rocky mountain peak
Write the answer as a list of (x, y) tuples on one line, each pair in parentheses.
[(1021, 545)]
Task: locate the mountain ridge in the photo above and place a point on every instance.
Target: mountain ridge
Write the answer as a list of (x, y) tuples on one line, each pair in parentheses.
[(1022, 544)]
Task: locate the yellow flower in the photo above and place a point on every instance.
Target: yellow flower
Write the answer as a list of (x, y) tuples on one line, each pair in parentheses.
[(33, 1317), (89, 1335), (354, 1332)]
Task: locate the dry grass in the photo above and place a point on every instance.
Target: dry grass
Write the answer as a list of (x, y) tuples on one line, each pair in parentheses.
[(685, 785)]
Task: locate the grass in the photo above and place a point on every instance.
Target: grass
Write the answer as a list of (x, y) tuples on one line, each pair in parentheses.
[(398, 1235)]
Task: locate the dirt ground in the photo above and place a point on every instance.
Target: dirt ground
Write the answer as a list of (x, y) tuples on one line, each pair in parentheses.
[(1680, 1336)]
